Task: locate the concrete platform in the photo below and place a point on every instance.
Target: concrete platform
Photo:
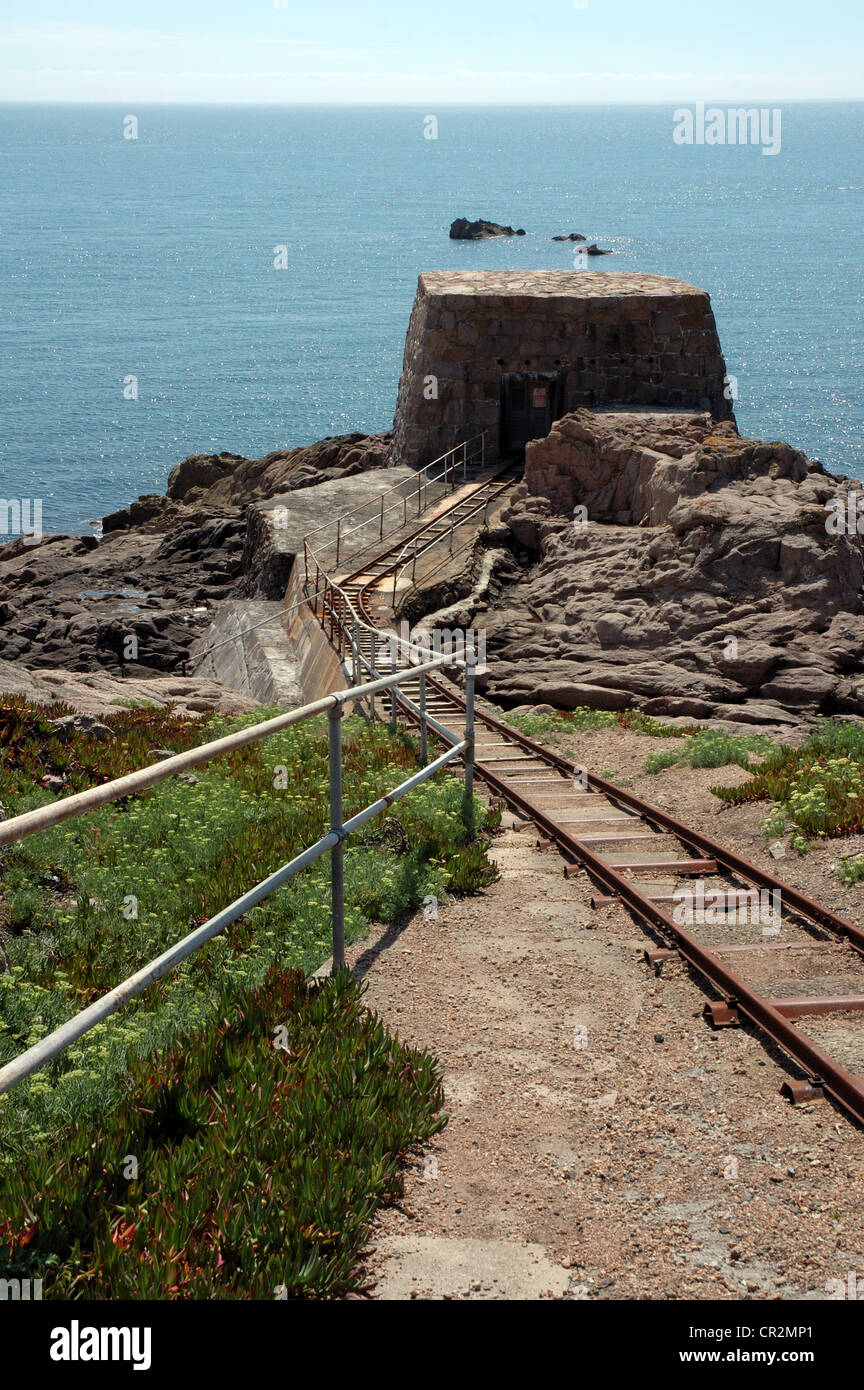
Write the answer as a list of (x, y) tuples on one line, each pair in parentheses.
[(433, 1267)]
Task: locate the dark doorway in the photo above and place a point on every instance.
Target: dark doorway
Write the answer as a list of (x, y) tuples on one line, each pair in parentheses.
[(530, 402)]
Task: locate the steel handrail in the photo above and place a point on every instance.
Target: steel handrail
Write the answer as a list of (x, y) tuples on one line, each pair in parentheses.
[(423, 476), (399, 566), (43, 817), (408, 649), (405, 482)]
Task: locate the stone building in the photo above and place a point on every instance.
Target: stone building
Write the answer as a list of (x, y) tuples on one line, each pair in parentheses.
[(511, 351)]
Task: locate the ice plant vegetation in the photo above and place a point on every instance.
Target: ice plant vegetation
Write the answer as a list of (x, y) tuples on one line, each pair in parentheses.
[(818, 787), (239, 1164), (86, 903)]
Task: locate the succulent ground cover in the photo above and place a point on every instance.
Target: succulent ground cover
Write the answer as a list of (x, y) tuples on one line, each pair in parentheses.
[(85, 904), (546, 727), (818, 788), (246, 1162)]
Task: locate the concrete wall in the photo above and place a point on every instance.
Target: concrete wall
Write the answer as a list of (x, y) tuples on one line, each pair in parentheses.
[(319, 670), (612, 338), (287, 661), (252, 654)]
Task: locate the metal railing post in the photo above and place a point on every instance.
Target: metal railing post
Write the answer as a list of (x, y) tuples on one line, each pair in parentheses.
[(424, 739), (394, 711), (470, 662), (381, 527), (464, 461), (338, 537), (419, 486), (42, 818), (337, 853)]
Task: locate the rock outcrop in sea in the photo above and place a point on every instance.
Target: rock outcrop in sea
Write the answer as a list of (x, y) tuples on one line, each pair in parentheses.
[(465, 230)]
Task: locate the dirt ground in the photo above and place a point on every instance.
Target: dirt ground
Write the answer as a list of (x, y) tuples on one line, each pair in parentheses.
[(604, 1142)]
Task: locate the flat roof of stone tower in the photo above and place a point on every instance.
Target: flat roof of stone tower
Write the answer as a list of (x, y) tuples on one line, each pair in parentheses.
[(553, 284)]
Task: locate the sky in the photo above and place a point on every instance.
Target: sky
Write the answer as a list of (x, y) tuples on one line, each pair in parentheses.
[(428, 51)]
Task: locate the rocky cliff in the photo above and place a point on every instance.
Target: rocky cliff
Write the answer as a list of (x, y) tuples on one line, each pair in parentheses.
[(132, 604), (671, 565)]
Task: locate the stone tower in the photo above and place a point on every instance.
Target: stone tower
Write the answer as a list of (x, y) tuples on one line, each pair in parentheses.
[(510, 351)]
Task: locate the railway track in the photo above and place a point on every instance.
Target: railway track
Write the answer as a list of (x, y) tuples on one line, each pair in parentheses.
[(771, 955)]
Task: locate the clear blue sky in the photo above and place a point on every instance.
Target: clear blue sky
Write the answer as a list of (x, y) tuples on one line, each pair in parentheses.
[(428, 51)]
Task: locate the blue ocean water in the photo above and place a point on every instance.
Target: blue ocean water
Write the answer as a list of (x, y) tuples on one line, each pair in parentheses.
[(154, 259)]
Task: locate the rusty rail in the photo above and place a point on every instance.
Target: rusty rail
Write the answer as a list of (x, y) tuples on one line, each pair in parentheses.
[(773, 1017)]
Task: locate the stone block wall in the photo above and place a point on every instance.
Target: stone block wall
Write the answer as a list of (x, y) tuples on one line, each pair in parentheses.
[(608, 338)]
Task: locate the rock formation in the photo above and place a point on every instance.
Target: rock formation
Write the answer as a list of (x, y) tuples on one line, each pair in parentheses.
[(678, 568), (95, 693), (217, 480), (133, 604), (464, 230)]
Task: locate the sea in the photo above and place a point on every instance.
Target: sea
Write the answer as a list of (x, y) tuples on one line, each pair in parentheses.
[(186, 279)]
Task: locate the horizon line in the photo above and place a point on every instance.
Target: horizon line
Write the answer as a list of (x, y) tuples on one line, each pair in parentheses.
[(407, 105)]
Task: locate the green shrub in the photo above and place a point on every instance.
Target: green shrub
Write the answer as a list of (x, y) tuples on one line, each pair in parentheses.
[(712, 748), (545, 728), (27, 909), (851, 868), (655, 762), (639, 723)]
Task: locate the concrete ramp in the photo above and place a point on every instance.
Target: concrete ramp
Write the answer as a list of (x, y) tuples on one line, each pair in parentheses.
[(251, 654)]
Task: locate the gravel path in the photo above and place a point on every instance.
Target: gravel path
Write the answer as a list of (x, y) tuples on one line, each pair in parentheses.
[(604, 1142)]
